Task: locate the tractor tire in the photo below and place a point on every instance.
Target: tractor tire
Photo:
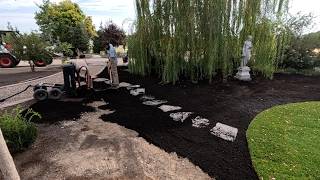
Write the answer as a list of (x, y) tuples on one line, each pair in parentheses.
[(17, 62), (40, 63), (7, 61), (40, 94)]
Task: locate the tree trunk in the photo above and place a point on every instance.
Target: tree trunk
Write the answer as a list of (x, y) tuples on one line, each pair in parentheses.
[(7, 166), (31, 63)]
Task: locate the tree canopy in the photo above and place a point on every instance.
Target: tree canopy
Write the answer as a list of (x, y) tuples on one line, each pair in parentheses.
[(109, 33), (197, 39), (301, 54), (311, 41), (65, 22)]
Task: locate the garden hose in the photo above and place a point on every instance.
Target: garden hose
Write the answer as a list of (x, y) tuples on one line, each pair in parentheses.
[(87, 76), (20, 92)]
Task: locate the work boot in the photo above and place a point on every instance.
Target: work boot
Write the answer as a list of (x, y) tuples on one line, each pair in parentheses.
[(114, 86)]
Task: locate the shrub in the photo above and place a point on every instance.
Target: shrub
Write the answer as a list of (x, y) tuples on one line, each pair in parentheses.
[(298, 59), (65, 49), (18, 130), (317, 62), (44, 56)]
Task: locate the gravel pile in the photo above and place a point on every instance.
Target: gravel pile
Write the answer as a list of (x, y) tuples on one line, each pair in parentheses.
[(6, 91)]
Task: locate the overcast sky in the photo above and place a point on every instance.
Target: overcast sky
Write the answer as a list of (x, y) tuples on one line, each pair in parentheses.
[(20, 13)]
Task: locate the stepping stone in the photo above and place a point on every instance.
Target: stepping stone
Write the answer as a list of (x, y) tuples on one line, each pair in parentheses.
[(180, 116), (138, 91), (133, 87), (167, 108), (200, 122), (225, 132), (147, 98), (124, 84), (154, 102)]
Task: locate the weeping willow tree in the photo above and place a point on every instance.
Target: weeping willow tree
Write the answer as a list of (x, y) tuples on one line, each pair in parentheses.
[(196, 39)]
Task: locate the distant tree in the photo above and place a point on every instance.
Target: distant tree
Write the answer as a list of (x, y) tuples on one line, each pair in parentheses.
[(97, 41), (29, 47), (299, 55), (109, 33), (65, 49), (65, 22), (298, 23), (310, 41), (78, 37), (90, 28)]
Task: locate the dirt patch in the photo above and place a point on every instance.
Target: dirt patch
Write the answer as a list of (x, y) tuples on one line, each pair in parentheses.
[(89, 148), (233, 103)]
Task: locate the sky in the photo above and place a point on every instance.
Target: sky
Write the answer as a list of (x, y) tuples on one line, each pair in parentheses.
[(20, 13)]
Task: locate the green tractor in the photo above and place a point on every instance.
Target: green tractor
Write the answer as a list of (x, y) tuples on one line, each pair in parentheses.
[(15, 47)]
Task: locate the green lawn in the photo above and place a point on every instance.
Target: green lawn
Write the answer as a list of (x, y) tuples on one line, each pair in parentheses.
[(284, 142)]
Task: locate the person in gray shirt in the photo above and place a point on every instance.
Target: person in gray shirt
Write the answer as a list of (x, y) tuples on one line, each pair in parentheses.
[(113, 62)]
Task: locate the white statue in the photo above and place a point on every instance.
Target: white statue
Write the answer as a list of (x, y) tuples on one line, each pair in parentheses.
[(246, 51), (244, 71)]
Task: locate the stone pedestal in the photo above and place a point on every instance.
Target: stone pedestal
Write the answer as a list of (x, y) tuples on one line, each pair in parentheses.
[(244, 74)]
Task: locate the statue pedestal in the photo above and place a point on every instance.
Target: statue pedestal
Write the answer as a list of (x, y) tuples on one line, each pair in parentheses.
[(244, 74)]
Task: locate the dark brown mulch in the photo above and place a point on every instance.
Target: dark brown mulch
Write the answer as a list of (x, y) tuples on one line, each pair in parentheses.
[(55, 111), (233, 103)]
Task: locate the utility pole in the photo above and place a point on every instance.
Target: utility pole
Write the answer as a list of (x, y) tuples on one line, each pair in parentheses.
[(7, 166)]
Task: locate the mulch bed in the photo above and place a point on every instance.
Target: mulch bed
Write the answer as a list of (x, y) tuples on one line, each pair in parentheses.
[(54, 111), (233, 103)]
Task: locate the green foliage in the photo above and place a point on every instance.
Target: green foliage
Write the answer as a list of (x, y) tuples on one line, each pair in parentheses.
[(299, 59), (310, 41), (18, 131), (64, 48), (298, 23), (109, 33), (36, 47), (78, 37), (284, 142), (196, 39), (65, 22), (305, 72), (90, 28), (300, 55)]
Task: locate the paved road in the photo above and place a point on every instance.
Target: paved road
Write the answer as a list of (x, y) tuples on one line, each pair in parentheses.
[(20, 74)]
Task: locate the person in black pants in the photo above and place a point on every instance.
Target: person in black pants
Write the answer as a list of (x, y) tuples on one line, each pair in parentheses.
[(69, 78)]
